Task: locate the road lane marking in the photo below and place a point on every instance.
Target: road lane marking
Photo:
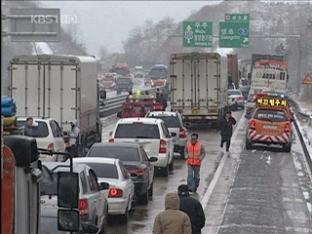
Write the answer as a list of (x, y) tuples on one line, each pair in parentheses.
[(208, 193)]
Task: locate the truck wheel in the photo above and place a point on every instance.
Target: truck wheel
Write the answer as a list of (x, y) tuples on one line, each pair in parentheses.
[(144, 198), (248, 144), (150, 190), (182, 154), (171, 164), (165, 171), (287, 148)]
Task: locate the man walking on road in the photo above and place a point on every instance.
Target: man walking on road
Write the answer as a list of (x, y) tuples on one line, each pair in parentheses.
[(195, 153), (172, 220), (192, 208), (226, 128)]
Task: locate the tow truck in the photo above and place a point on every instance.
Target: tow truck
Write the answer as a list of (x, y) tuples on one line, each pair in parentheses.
[(139, 106), (271, 122)]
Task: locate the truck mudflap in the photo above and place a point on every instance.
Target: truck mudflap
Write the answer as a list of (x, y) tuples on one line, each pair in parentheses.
[(7, 191)]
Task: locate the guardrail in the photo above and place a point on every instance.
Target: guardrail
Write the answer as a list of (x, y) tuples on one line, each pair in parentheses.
[(113, 105), (299, 131)]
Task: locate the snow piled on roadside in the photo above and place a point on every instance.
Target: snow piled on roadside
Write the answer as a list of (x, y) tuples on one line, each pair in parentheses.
[(42, 48)]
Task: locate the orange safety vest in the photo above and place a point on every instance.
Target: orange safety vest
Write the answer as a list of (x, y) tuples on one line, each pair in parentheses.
[(194, 154)]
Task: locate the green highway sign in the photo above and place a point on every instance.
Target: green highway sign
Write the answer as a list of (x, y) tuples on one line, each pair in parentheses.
[(237, 17), (197, 34), (234, 34)]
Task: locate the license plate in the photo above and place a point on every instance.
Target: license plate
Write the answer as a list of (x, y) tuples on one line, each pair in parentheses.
[(269, 127)]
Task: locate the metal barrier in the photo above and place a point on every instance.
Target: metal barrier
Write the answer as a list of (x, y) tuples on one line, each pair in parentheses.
[(302, 141), (113, 105)]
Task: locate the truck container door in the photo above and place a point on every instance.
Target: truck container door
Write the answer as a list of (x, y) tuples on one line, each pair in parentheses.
[(27, 89), (61, 94)]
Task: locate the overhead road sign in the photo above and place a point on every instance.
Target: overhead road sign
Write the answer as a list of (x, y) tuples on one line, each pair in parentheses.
[(34, 25), (197, 34), (234, 32)]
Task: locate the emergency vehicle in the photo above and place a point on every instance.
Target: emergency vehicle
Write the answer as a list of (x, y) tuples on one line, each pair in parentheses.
[(270, 122), (139, 106)]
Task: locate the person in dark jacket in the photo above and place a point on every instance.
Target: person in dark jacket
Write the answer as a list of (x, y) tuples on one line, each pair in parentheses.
[(192, 208), (226, 128)]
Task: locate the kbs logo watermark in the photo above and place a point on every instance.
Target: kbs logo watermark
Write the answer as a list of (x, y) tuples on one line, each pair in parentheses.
[(53, 19)]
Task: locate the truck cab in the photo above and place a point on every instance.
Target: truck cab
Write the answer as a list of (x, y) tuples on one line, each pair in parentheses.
[(139, 106)]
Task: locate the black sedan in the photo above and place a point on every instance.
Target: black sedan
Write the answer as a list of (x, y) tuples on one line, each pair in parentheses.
[(135, 160)]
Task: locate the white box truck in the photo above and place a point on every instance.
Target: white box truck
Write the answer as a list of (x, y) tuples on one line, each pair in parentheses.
[(61, 87), (198, 83)]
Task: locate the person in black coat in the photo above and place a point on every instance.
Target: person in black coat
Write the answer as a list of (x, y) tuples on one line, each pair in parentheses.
[(192, 208), (226, 128)]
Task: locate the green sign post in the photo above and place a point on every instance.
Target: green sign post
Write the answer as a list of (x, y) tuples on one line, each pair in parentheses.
[(197, 34), (234, 32)]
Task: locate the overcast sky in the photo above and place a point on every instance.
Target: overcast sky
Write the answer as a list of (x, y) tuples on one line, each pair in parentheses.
[(108, 23)]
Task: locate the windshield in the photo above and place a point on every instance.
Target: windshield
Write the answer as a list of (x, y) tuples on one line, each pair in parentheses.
[(103, 170), (170, 121), (39, 130), (158, 73), (137, 130), (121, 153), (270, 115), (124, 81)]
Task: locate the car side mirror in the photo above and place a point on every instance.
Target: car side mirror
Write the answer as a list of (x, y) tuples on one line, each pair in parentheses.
[(67, 189), (173, 134), (153, 159), (89, 227), (68, 220), (119, 114), (103, 186)]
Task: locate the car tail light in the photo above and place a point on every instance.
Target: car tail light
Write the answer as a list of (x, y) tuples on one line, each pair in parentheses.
[(162, 146), (182, 133), (252, 124), (115, 192), (111, 140), (136, 171), (83, 206), (51, 147), (287, 127)]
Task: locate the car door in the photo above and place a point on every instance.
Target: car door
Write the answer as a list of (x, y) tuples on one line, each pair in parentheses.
[(59, 145), (150, 166), (96, 199)]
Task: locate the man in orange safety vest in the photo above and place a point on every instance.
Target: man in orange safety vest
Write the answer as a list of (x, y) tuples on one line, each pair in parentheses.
[(195, 153)]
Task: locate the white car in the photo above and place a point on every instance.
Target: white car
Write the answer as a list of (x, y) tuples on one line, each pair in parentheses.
[(48, 135), (174, 122), (152, 134), (120, 196), (236, 99), (93, 207)]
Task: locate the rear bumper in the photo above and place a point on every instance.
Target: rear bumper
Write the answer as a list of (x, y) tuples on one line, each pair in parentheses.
[(283, 139), (117, 206)]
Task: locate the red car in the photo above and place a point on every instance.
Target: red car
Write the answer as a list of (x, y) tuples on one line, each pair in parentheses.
[(139, 106)]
